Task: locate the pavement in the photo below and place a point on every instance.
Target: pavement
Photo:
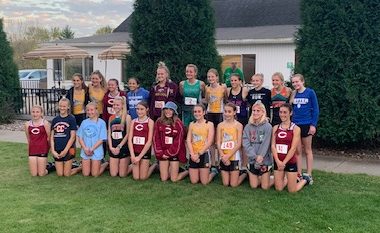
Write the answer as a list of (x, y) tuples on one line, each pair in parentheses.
[(338, 164)]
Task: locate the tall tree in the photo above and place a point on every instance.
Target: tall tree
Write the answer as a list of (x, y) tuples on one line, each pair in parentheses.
[(174, 31), (8, 77), (104, 30), (338, 47), (66, 33)]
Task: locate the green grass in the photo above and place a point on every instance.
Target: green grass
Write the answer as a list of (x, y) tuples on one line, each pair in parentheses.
[(336, 203)]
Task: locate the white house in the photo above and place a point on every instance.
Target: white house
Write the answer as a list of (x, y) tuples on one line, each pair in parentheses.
[(257, 34)]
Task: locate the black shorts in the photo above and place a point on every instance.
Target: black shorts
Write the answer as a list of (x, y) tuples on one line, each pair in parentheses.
[(124, 153), (304, 130), (234, 166), (146, 156), (70, 155), (40, 155), (215, 118), (289, 167), (258, 171), (203, 163)]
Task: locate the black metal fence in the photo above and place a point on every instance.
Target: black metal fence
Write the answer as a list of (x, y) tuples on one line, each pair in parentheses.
[(47, 98)]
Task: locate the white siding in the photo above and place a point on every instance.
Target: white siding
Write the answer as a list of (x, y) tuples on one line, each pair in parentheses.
[(270, 58)]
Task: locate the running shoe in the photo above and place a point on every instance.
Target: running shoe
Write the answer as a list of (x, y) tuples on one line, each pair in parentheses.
[(308, 178)]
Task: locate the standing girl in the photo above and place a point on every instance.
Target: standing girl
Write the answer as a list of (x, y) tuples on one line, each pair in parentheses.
[(259, 92), (135, 95), (306, 113), (163, 91), (169, 143), (139, 143), (112, 93), (256, 142), (191, 90), (200, 137), (118, 128), (280, 95), (91, 135), (97, 90), (79, 98), (285, 139), (62, 140), (37, 132), (228, 140)]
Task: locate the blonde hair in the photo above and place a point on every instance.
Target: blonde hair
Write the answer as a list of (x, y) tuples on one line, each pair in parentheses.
[(260, 75), (280, 75), (40, 108), (103, 83), (299, 76), (162, 65), (193, 66), (93, 104), (263, 117), (124, 110)]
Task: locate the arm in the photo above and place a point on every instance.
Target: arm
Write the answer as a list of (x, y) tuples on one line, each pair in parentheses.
[(238, 144), (55, 154), (273, 147), (69, 143), (225, 95), (102, 135), (149, 142), (125, 139), (296, 140), (181, 87), (265, 144), (26, 126), (219, 139), (47, 129), (244, 93), (315, 106), (130, 142), (210, 138), (157, 141), (189, 140), (177, 140), (203, 88), (248, 147)]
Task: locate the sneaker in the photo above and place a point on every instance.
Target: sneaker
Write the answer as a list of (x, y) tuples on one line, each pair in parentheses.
[(75, 164), (214, 170), (308, 178), (50, 167), (182, 169), (243, 171)]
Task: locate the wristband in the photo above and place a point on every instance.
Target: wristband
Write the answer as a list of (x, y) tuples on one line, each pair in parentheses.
[(118, 146)]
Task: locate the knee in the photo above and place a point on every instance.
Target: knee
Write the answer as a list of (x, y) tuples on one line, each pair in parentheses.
[(265, 186), (194, 181), (254, 186), (67, 173), (234, 185), (279, 188)]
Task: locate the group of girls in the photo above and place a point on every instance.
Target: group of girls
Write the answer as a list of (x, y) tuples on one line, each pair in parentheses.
[(134, 130)]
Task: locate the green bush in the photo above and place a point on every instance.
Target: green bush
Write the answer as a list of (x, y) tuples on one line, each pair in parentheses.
[(176, 32), (338, 47)]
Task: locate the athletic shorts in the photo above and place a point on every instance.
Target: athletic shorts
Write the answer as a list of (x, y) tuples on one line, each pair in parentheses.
[(147, 155), (215, 118), (234, 166), (289, 167), (304, 130), (39, 155), (124, 153), (67, 157), (258, 171), (203, 163)]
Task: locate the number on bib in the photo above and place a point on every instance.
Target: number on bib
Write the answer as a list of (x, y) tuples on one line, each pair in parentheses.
[(190, 101), (159, 104), (282, 148), (110, 110), (229, 145), (117, 135), (138, 140), (168, 140)]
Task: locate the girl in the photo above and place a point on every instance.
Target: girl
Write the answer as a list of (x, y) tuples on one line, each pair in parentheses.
[(118, 128), (200, 137), (97, 90), (139, 143), (79, 98), (163, 91), (306, 113), (285, 138), (136, 94), (279, 95), (112, 93), (37, 132), (192, 90), (256, 142), (228, 140), (62, 140), (91, 135), (216, 94), (259, 92), (169, 143)]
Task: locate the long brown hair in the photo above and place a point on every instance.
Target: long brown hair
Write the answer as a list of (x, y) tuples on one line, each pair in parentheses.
[(168, 121)]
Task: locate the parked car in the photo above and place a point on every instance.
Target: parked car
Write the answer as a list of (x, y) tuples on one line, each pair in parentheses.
[(33, 78)]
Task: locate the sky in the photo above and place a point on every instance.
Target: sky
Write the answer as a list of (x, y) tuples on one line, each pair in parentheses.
[(83, 16)]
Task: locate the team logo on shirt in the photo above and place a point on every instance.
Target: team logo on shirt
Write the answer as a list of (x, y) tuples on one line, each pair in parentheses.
[(35, 131), (282, 134), (168, 130), (196, 137), (110, 101), (90, 131), (299, 101), (139, 127)]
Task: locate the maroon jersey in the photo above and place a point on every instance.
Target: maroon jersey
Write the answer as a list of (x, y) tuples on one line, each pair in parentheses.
[(284, 138), (38, 139), (108, 105), (160, 95), (140, 135)]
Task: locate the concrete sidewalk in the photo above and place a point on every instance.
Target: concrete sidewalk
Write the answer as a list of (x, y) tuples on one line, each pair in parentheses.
[(330, 164)]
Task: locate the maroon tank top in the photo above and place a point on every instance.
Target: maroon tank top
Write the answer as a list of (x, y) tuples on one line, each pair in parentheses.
[(284, 138), (140, 135), (38, 139)]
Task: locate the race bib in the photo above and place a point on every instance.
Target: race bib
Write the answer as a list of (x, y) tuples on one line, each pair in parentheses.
[(229, 145), (110, 110), (159, 104), (168, 140), (117, 135), (190, 101), (138, 140), (238, 109), (282, 148)]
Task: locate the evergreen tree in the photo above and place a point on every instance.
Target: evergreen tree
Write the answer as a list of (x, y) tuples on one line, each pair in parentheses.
[(8, 77), (66, 33), (176, 32), (338, 48)]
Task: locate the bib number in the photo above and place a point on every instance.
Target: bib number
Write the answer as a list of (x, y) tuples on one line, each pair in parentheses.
[(168, 140), (229, 145), (190, 101), (117, 135), (159, 104), (138, 140), (282, 148), (110, 110)]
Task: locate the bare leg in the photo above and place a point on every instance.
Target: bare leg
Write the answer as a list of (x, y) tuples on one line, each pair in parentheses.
[(307, 143), (67, 165), (254, 180), (86, 167), (279, 180), (266, 181), (164, 170), (194, 175), (144, 168), (41, 162), (299, 158), (33, 166), (151, 169), (293, 186), (59, 168), (124, 166), (206, 176), (226, 178), (174, 175), (136, 170), (114, 166)]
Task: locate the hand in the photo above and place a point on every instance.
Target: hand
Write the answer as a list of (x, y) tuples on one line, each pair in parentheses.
[(165, 157), (259, 159), (137, 159), (63, 153), (280, 165), (312, 130), (55, 154), (87, 151), (133, 159)]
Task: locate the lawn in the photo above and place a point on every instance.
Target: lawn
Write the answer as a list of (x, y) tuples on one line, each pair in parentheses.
[(335, 203)]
